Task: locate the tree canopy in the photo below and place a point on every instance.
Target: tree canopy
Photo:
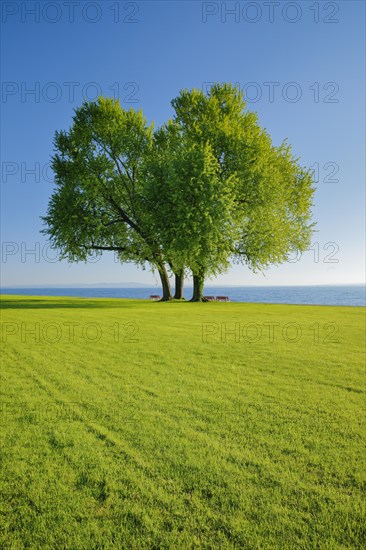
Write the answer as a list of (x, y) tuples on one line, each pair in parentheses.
[(205, 190)]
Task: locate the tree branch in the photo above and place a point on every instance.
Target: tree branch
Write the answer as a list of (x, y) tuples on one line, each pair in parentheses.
[(115, 249)]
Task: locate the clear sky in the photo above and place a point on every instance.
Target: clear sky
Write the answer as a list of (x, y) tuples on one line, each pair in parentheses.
[(300, 65)]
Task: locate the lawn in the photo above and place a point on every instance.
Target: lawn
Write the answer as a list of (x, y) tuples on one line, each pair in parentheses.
[(131, 424)]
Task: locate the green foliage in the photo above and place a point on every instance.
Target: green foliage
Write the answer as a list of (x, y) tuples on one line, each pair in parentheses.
[(97, 203), (190, 206), (266, 193), (205, 189)]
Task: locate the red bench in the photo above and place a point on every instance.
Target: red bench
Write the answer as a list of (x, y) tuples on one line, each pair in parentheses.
[(155, 297), (222, 298), (210, 298)]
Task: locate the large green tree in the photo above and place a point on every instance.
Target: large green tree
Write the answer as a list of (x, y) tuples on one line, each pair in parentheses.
[(206, 189)]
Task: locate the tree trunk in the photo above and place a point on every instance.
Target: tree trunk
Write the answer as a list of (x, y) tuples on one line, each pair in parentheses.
[(198, 284), (167, 293), (179, 281)]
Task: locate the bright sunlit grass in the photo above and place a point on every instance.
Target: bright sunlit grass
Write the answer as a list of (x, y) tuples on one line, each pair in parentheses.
[(130, 424)]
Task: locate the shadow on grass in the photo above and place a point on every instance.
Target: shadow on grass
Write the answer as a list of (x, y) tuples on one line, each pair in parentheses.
[(74, 303), (78, 302)]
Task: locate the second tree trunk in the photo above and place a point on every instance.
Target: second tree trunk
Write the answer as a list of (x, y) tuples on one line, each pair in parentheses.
[(167, 293), (179, 281), (198, 284)]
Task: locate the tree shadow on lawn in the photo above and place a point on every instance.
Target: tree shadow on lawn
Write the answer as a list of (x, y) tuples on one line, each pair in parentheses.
[(74, 303)]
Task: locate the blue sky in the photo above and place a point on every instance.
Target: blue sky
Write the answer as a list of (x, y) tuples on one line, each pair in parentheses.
[(300, 65)]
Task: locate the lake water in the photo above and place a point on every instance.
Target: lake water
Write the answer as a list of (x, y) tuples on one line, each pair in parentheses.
[(353, 295)]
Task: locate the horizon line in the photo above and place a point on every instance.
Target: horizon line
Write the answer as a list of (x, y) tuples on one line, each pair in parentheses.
[(142, 286)]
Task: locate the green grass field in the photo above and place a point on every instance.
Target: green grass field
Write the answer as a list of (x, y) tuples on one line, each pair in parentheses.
[(177, 425)]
